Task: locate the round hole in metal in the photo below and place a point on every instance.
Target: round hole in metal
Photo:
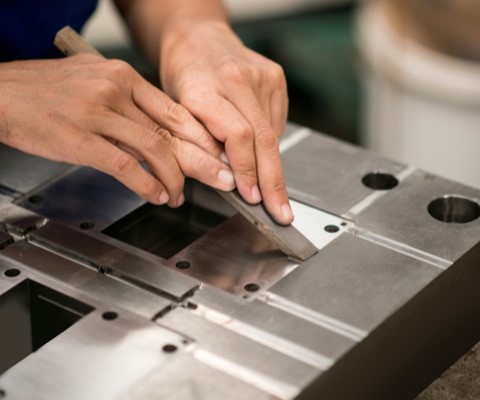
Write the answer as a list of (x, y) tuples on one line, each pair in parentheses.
[(252, 287), (454, 209), (3, 393), (183, 264), (379, 181), (169, 348), (331, 228), (12, 272), (109, 315)]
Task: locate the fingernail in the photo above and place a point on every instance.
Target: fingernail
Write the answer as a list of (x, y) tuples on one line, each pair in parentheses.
[(226, 177), (224, 158), (163, 198), (256, 197), (287, 213), (180, 200)]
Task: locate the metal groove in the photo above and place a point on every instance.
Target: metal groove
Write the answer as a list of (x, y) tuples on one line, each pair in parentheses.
[(402, 248), (262, 382), (332, 324), (267, 339), (110, 272), (295, 138)]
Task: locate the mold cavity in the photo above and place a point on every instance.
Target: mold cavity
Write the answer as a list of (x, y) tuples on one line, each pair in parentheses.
[(454, 209), (30, 316), (379, 181), (163, 231)]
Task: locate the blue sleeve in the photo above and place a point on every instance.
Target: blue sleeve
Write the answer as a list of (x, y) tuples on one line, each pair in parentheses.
[(28, 27)]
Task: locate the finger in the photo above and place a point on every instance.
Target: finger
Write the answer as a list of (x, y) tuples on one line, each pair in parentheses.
[(278, 111), (173, 116), (270, 176), (155, 147), (229, 126), (202, 166), (98, 153)]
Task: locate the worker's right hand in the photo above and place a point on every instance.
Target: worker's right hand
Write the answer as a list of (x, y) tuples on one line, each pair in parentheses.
[(90, 111)]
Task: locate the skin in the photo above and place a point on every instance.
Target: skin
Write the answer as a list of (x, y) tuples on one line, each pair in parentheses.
[(218, 120)]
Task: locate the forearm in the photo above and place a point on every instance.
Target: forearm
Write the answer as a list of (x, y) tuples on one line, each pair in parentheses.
[(148, 20)]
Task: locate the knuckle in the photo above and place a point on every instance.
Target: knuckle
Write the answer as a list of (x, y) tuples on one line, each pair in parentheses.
[(192, 98), (276, 72), (233, 72), (106, 90), (277, 187), (175, 113), (148, 187), (244, 134), (247, 169), (267, 140), (118, 68), (161, 138), (122, 164), (153, 143)]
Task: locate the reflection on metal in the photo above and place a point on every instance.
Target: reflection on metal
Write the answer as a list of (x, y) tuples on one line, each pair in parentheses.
[(196, 303)]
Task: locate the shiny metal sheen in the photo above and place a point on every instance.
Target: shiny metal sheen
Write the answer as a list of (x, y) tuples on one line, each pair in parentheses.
[(389, 301)]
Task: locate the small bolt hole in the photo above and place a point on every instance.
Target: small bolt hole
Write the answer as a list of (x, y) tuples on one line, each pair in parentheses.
[(35, 199), (252, 287), (331, 228), (379, 181), (87, 225), (3, 393), (169, 348), (12, 272), (183, 264), (109, 315)]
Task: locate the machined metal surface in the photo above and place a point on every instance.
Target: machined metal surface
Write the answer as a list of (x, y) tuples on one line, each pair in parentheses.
[(97, 311)]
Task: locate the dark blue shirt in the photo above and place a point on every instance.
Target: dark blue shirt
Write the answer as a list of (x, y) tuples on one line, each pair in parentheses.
[(28, 27)]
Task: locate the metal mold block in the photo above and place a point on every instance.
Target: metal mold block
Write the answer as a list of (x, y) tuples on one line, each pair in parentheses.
[(83, 196), (326, 174), (402, 216), (390, 300)]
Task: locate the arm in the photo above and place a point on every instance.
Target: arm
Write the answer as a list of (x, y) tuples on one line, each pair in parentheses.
[(237, 94)]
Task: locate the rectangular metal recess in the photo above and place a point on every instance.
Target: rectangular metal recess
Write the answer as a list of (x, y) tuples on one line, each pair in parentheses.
[(31, 315)]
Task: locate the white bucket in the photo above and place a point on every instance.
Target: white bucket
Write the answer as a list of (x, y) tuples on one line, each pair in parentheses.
[(422, 107)]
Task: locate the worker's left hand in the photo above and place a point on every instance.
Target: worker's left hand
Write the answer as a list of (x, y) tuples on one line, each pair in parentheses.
[(240, 97)]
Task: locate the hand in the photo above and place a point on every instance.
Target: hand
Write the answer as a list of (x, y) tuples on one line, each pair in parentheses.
[(90, 111), (239, 96)]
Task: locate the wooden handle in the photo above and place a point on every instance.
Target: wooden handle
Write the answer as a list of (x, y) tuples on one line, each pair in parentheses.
[(70, 43)]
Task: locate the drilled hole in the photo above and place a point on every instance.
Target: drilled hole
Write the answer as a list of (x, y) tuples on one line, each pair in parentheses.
[(3, 393), (12, 272), (87, 225), (252, 287), (331, 228), (183, 265), (35, 199), (379, 181), (454, 209), (169, 348), (109, 315)]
